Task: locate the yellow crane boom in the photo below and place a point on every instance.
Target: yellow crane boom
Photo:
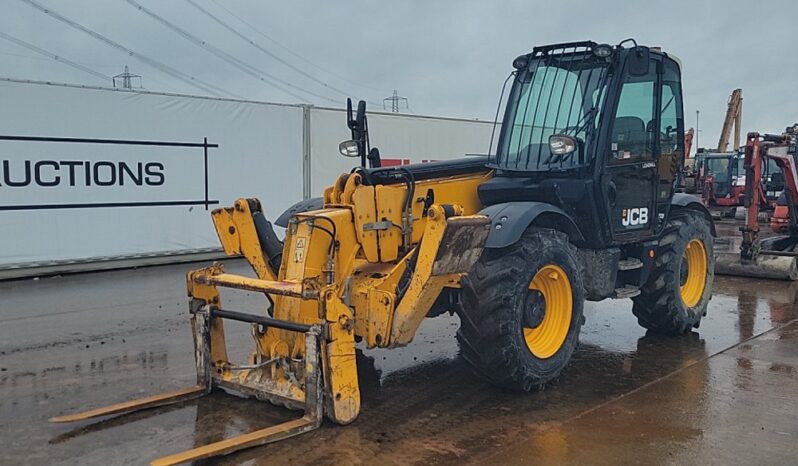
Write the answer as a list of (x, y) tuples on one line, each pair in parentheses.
[(734, 114)]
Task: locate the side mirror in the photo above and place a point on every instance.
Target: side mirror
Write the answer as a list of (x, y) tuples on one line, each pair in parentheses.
[(561, 145), (374, 158), (639, 61), (349, 148)]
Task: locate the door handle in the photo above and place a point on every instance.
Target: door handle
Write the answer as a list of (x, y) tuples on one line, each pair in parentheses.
[(612, 193)]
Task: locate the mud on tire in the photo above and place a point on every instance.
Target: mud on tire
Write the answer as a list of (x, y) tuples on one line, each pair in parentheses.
[(660, 307), (495, 309)]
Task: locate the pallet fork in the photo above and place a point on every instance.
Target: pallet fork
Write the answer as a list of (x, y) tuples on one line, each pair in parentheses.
[(256, 379)]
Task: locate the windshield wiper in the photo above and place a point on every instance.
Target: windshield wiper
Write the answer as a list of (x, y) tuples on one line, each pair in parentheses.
[(585, 120)]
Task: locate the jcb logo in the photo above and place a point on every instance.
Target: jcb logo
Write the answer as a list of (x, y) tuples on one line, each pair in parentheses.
[(635, 216)]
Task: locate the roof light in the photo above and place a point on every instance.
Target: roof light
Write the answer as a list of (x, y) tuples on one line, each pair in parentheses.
[(602, 50), (521, 62)]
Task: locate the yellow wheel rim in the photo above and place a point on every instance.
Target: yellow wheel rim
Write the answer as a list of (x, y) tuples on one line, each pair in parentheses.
[(545, 339), (695, 257)]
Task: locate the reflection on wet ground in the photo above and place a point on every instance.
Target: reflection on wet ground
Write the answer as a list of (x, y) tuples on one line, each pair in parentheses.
[(726, 393)]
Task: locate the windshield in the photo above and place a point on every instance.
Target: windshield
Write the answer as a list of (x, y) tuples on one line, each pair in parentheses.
[(719, 167), (554, 94)]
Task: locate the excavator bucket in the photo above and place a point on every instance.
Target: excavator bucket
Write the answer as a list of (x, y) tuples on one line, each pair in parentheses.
[(777, 259)]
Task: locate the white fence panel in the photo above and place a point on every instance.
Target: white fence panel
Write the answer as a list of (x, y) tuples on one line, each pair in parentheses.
[(91, 177), (66, 201)]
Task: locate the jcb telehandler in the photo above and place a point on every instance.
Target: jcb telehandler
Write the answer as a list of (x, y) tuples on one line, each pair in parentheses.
[(577, 202)]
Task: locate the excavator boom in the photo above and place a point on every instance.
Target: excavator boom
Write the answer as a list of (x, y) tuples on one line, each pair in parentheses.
[(734, 113)]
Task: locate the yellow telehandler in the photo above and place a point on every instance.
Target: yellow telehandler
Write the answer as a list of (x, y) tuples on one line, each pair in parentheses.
[(577, 202)]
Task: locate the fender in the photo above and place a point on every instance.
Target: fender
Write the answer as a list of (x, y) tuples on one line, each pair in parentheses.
[(314, 203), (689, 201), (509, 220)]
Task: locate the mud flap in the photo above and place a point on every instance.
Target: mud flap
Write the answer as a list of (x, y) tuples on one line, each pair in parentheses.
[(461, 245)]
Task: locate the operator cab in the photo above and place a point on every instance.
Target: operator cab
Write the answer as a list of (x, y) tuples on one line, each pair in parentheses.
[(596, 130)]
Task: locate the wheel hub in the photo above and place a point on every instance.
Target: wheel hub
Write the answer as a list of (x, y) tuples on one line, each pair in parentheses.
[(684, 271), (534, 309)]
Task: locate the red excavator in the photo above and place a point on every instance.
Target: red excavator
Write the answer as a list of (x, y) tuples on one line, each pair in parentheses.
[(773, 256), (717, 174)]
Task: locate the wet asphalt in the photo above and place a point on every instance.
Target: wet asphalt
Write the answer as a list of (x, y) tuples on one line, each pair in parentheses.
[(724, 394)]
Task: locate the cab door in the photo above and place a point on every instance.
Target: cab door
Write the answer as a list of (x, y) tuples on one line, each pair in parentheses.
[(670, 143), (630, 177)]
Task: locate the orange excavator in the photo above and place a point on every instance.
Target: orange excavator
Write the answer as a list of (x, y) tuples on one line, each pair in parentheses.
[(717, 176), (773, 256)]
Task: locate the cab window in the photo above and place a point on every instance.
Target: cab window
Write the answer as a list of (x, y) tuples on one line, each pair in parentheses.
[(634, 118), (671, 133)]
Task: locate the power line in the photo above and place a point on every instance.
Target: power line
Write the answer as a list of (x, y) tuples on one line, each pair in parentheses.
[(31, 57), (263, 49), (191, 80), (55, 57), (277, 43), (243, 66)]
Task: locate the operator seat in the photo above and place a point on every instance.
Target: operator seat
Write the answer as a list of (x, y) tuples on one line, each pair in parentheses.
[(629, 136)]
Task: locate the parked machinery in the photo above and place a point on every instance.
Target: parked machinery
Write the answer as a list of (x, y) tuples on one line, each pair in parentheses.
[(774, 256), (578, 203), (734, 116), (717, 177), (720, 178)]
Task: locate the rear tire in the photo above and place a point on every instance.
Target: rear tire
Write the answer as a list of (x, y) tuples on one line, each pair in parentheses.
[(522, 310), (675, 297)]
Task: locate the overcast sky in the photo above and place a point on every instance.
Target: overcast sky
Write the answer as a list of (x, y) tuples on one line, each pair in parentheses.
[(448, 58)]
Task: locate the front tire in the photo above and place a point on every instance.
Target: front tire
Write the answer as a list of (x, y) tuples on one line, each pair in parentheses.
[(522, 310), (676, 295)]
